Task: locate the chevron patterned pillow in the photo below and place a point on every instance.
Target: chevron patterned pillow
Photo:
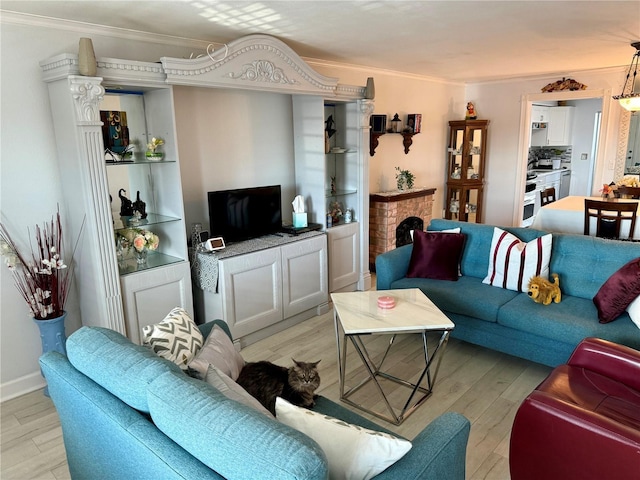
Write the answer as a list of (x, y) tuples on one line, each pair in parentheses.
[(176, 338)]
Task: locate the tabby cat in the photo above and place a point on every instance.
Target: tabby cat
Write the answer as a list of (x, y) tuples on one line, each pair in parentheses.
[(265, 381)]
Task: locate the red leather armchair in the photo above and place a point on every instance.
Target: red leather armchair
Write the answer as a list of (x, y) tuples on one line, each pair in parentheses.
[(583, 421)]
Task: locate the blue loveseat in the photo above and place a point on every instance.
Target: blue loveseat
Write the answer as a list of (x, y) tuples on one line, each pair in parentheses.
[(510, 321), (127, 413)]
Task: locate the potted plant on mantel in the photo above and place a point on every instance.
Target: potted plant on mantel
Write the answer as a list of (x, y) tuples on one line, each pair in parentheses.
[(43, 279), (404, 178)]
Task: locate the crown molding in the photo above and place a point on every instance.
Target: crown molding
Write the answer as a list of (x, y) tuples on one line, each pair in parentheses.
[(15, 18)]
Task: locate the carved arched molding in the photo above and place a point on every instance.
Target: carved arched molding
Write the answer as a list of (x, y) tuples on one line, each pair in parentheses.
[(623, 140), (256, 62), (87, 92)]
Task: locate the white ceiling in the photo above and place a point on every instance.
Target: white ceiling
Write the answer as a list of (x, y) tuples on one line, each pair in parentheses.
[(465, 41)]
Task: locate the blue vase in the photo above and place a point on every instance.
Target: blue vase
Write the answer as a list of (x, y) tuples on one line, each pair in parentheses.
[(53, 337)]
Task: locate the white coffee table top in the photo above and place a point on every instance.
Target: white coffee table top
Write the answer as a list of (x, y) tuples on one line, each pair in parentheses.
[(359, 312)]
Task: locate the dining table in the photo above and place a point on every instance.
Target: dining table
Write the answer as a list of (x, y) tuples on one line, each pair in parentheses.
[(566, 215)]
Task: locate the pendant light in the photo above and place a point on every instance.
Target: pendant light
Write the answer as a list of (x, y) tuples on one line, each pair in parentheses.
[(631, 100)]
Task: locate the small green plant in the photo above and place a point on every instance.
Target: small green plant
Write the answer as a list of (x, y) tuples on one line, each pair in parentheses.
[(404, 178)]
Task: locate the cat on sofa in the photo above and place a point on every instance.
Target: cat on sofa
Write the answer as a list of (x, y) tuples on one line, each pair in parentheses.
[(265, 381)]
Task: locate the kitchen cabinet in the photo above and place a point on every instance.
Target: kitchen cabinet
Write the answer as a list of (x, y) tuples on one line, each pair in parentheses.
[(560, 129), (539, 134), (548, 179), (555, 130), (539, 113), (466, 158), (565, 184)]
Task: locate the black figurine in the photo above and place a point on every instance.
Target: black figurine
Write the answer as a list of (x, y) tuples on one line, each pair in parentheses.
[(329, 126), (126, 206), (140, 206)]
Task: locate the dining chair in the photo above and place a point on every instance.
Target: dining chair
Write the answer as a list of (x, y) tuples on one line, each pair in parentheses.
[(547, 196), (609, 217), (628, 192)]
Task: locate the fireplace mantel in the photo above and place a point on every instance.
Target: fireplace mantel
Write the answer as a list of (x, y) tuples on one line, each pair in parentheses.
[(399, 195)]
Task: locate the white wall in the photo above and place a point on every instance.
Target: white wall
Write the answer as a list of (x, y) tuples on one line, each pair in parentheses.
[(232, 139), (583, 130), (501, 102)]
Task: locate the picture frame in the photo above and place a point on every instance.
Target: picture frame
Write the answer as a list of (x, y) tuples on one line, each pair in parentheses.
[(378, 123)]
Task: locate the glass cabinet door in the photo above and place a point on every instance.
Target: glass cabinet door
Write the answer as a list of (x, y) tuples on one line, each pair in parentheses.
[(465, 170), (464, 204)]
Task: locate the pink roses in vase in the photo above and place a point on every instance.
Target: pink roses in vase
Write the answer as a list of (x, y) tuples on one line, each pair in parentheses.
[(140, 240)]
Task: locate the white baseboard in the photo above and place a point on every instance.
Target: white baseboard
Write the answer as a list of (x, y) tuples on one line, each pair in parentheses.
[(21, 386)]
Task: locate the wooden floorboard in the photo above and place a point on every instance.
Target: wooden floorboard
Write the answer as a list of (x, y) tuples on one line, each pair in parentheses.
[(485, 386)]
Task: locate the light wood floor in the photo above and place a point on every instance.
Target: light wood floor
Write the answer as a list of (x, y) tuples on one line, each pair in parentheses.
[(485, 386)]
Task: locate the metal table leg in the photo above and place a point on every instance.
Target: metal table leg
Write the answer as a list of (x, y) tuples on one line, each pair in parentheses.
[(374, 371)]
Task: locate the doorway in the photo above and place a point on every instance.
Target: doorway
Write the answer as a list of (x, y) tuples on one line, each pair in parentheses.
[(589, 170)]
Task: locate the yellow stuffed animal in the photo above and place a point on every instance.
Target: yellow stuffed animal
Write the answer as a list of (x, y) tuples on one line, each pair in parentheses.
[(543, 291)]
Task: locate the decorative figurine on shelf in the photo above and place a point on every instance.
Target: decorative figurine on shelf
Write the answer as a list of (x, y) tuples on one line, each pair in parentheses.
[(140, 206), (329, 126), (471, 112), (335, 210), (126, 205), (333, 185)]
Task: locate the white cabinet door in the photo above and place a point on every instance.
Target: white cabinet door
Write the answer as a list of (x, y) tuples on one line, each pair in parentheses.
[(539, 113), (343, 248), (251, 285), (539, 137), (560, 126), (150, 294), (304, 275)]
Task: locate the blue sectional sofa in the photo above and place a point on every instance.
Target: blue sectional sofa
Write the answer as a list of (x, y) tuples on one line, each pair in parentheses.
[(510, 321), (127, 413)]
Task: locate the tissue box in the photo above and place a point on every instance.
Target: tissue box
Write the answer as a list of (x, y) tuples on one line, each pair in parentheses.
[(299, 220)]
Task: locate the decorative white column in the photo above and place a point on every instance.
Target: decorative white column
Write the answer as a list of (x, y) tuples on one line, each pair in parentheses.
[(366, 109), (82, 169)]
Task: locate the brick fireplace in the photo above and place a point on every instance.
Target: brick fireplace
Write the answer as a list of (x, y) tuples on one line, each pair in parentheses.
[(387, 210)]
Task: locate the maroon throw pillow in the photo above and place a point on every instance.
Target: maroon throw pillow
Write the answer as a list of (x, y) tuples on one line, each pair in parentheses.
[(618, 292), (436, 255)]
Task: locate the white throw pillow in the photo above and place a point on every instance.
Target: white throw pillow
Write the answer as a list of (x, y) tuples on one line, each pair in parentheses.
[(218, 350), (634, 311), (447, 230), (353, 452), (512, 262), (232, 390), (176, 338)]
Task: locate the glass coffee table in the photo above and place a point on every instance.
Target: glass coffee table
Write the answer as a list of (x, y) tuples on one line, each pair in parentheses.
[(357, 314)]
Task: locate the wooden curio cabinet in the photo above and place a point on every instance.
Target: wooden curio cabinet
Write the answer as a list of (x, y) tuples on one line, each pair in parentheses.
[(466, 157)]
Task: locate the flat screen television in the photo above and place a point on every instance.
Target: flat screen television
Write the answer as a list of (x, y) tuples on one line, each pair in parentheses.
[(245, 213)]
